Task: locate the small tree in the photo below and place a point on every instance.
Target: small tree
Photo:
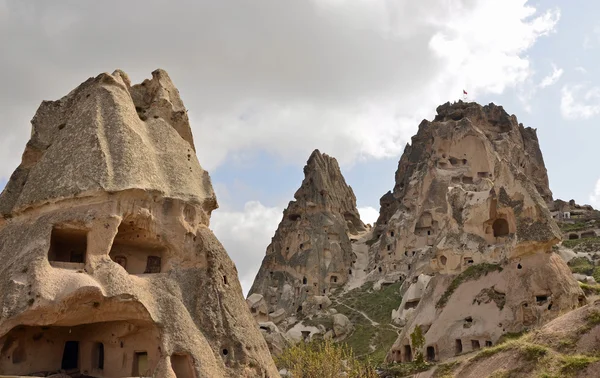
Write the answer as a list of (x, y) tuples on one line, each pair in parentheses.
[(418, 341)]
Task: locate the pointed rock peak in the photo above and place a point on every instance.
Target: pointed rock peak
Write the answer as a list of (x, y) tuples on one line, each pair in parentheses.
[(324, 186), (109, 136)]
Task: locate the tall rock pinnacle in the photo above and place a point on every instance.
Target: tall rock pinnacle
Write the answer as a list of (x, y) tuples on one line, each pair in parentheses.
[(109, 267), (468, 226), (311, 252)]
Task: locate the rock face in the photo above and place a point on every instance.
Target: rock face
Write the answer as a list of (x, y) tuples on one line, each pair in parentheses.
[(469, 209), (311, 252), (109, 266)]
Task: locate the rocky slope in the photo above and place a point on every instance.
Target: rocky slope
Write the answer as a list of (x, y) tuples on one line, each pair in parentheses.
[(311, 253), (109, 267), (565, 347), (468, 228)]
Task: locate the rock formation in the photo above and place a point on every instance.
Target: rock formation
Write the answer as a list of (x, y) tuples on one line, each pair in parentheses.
[(469, 210), (109, 267), (311, 252)]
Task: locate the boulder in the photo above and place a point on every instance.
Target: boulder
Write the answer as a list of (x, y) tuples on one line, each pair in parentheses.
[(342, 326)]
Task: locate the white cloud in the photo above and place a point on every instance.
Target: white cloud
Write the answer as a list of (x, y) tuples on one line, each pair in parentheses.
[(527, 90), (579, 102), (592, 39), (246, 235), (368, 214), (595, 196), (552, 78), (353, 78), (581, 69)]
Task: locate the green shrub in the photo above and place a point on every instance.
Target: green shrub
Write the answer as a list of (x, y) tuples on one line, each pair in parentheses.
[(418, 341), (323, 359)]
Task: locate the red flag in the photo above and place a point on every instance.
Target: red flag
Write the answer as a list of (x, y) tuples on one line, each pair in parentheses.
[(464, 92)]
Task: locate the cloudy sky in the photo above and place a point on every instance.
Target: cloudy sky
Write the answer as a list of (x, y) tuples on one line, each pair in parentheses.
[(268, 81)]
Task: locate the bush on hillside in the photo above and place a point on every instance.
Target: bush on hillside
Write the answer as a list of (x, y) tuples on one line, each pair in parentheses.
[(323, 359)]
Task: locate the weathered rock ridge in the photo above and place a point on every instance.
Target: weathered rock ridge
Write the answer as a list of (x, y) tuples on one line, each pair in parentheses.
[(311, 252), (109, 267), (468, 226)]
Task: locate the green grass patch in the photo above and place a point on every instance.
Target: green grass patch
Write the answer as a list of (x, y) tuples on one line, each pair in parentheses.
[(472, 273), (590, 289), (445, 370), (377, 304), (404, 369), (581, 265), (360, 340), (577, 226), (533, 352), (582, 243), (574, 364)]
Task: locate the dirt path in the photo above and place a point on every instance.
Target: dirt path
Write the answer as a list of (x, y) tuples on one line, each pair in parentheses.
[(373, 323)]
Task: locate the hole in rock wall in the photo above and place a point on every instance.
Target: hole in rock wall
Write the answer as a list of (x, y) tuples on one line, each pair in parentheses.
[(333, 279), (541, 299), (488, 343), (411, 304), (379, 269), (70, 357), (467, 180), (500, 227), (458, 348), (453, 161), (137, 250), (483, 174), (93, 348), (98, 356), (407, 353), (392, 233), (294, 217), (389, 247), (304, 281), (19, 355), (573, 236), (443, 260), (140, 364), (68, 248), (475, 345), (519, 266), (299, 309), (182, 366), (588, 234), (430, 353)]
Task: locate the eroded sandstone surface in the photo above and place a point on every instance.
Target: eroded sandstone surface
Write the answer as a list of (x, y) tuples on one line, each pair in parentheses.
[(109, 267), (468, 228), (311, 253)]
